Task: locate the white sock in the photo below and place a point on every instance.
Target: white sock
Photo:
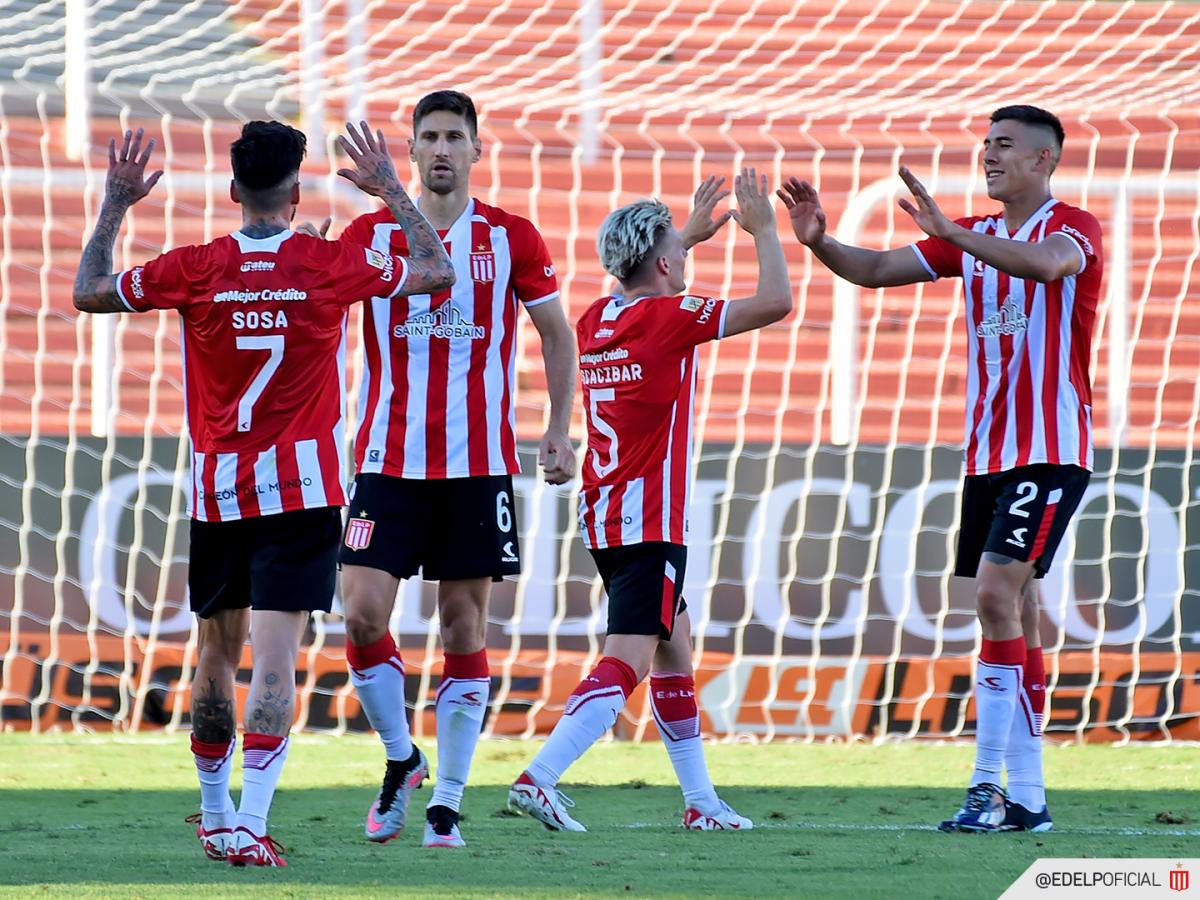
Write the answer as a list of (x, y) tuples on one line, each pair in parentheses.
[(263, 756), (377, 673), (591, 710), (1023, 758), (214, 765), (673, 701), (462, 702), (996, 690)]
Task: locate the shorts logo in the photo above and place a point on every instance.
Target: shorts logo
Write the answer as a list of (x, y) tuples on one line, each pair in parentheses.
[(470, 698), (1018, 537), (993, 682), (358, 533), (483, 266), (510, 553), (549, 270)]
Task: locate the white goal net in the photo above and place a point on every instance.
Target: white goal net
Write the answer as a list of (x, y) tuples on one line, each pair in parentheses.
[(827, 460)]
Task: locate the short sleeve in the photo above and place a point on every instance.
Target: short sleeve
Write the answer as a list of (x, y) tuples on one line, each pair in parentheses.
[(1083, 230), (360, 273), (359, 232), (689, 321), (533, 277), (167, 282), (940, 258)]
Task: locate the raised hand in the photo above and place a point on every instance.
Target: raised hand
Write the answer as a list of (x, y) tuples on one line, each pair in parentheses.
[(804, 210), (126, 184), (925, 213), (701, 225), (374, 172), (754, 213)]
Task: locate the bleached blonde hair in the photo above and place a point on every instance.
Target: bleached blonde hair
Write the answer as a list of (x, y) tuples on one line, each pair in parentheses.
[(629, 234)]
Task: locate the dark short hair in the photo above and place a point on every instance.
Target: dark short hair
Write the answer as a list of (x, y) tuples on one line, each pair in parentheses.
[(446, 101), (1031, 115), (263, 158)]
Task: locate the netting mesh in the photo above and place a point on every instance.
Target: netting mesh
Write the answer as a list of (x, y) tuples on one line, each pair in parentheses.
[(826, 454)]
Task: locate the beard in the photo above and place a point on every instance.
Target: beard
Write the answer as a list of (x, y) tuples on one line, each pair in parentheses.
[(443, 185)]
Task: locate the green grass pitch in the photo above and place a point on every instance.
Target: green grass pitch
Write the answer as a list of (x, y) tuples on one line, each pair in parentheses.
[(92, 816)]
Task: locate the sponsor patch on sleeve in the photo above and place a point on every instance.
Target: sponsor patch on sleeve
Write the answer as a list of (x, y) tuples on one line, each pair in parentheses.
[(691, 304), (376, 259)]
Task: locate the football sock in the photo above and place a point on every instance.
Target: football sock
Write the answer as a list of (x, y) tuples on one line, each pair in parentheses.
[(1023, 759), (997, 683), (673, 701), (377, 674), (591, 710), (462, 702), (214, 764), (263, 756)]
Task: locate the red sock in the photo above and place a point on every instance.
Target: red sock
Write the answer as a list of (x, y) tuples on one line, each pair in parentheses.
[(365, 656), (466, 665), (610, 672), (1003, 653), (1035, 682), (673, 701)]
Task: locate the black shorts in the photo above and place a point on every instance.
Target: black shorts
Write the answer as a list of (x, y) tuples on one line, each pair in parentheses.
[(447, 528), (644, 583), (1022, 514), (285, 562)]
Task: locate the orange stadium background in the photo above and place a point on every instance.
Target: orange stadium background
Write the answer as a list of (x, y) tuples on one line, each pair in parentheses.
[(826, 445)]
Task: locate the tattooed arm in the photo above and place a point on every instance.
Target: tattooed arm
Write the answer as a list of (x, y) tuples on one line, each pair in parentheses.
[(95, 284), (429, 267)]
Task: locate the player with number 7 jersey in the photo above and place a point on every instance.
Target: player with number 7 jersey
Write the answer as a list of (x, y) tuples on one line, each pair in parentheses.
[(637, 362), (263, 331)]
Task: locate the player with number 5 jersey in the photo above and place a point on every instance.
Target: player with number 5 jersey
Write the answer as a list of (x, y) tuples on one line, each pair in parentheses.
[(637, 362), (263, 332)]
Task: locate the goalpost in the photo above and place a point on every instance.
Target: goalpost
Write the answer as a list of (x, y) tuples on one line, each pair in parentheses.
[(827, 458)]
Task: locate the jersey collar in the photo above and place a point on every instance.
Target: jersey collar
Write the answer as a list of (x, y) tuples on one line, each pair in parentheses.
[(1031, 223), (270, 244)]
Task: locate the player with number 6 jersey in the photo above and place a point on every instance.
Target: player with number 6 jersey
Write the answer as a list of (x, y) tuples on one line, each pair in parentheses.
[(263, 331), (637, 360), (436, 451)]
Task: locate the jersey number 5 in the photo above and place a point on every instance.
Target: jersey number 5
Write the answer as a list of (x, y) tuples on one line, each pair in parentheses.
[(273, 343), (597, 397)]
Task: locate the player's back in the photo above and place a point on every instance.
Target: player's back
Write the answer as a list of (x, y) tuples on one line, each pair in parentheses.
[(263, 340), (637, 362)]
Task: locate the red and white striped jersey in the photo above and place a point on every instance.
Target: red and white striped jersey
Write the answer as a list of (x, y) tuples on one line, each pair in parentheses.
[(439, 370), (637, 365), (263, 335), (1029, 390)]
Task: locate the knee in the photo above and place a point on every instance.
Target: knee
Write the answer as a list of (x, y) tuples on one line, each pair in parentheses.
[(997, 605), (363, 629), (463, 632)]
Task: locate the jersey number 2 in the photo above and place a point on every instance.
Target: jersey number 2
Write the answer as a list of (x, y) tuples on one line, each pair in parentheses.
[(273, 343)]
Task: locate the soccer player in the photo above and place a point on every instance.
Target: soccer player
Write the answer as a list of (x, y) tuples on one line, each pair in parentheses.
[(436, 452), (263, 315), (1031, 281), (637, 356)]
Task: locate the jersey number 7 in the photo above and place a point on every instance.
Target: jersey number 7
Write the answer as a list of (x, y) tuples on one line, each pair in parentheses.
[(273, 343)]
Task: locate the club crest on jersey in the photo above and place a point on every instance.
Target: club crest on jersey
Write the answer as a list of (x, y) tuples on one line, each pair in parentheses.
[(358, 533), (483, 266)]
